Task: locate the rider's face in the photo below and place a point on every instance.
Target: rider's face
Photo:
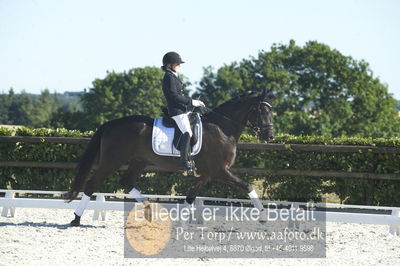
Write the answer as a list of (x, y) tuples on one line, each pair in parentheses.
[(176, 67)]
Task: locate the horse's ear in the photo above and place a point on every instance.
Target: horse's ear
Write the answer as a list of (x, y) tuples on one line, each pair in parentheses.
[(264, 94), (267, 94)]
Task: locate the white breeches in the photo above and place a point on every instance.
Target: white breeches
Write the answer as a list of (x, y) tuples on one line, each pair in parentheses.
[(183, 123)]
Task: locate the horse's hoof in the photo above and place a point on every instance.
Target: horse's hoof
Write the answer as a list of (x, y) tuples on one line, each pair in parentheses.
[(76, 221)]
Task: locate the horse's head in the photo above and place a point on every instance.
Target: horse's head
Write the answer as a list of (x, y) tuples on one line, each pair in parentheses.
[(260, 117)]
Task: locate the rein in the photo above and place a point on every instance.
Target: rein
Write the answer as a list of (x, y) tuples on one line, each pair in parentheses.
[(257, 128), (223, 116)]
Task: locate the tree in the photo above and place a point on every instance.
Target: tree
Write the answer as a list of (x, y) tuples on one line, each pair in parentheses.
[(29, 110), (317, 91), (20, 109), (4, 107), (44, 108), (69, 119)]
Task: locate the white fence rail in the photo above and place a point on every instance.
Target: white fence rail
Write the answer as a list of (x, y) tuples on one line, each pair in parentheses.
[(100, 205)]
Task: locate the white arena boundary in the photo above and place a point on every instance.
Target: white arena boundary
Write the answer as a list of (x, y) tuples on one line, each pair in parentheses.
[(100, 205)]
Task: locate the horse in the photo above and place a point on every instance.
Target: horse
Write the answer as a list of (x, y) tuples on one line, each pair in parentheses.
[(127, 140)]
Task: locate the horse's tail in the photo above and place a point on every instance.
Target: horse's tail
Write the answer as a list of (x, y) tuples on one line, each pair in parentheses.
[(85, 165)]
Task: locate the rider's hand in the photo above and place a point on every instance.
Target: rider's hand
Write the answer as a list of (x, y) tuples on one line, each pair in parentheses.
[(198, 103)]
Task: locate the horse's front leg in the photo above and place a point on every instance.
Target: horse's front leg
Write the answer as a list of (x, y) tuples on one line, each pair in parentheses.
[(231, 179), (194, 190)]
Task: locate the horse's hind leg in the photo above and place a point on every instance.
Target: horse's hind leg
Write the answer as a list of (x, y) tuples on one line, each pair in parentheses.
[(128, 182), (129, 178), (92, 184)]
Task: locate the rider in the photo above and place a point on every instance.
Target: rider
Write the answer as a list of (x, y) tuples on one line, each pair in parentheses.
[(177, 104)]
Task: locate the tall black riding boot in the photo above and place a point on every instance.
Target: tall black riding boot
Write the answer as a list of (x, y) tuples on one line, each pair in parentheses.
[(185, 153)]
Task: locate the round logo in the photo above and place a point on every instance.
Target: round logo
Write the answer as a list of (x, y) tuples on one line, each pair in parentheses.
[(147, 230)]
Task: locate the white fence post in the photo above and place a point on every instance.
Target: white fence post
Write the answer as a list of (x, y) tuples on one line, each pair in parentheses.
[(294, 224), (395, 229), (4, 213), (99, 199), (199, 204)]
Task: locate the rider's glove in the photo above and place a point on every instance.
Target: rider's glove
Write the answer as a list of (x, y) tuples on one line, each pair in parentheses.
[(198, 103)]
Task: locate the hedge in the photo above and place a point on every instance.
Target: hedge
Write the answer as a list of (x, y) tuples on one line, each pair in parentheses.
[(350, 191)]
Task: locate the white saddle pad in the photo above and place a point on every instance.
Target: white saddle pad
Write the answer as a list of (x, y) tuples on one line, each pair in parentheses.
[(162, 140)]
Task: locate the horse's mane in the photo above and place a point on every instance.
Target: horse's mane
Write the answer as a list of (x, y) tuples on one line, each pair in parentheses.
[(236, 100), (228, 105)]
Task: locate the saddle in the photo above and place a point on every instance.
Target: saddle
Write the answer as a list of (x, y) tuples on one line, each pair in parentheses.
[(194, 120), (166, 135)]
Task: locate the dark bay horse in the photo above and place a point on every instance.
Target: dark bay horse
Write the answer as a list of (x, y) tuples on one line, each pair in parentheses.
[(128, 141)]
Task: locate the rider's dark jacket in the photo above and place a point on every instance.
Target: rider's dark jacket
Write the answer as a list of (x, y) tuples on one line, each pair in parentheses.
[(172, 88)]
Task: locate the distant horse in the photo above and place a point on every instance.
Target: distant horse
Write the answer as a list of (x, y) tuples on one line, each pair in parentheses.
[(128, 141)]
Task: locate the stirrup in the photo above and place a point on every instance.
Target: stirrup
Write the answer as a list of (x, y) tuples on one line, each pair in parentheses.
[(188, 169), (185, 166)]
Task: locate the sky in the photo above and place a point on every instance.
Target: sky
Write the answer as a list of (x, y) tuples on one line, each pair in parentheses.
[(66, 45)]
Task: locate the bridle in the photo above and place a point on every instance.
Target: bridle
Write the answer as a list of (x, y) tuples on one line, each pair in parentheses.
[(256, 128), (259, 126)]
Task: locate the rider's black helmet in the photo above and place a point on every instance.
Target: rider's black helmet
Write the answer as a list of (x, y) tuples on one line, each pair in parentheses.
[(172, 58)]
